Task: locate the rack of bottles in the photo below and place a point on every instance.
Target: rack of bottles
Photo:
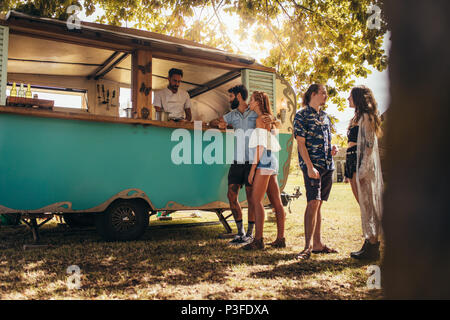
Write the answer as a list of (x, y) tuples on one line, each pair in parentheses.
[(24, 98), (21, 93)]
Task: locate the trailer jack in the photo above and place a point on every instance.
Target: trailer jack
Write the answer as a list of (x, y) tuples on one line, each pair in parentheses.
[(34, 227)]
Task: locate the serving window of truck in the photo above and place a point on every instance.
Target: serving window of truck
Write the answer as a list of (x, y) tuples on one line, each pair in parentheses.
[(79, 134)]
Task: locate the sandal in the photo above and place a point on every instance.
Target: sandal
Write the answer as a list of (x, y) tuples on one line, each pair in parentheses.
[(304, 255), (278, 243), (325, 249)]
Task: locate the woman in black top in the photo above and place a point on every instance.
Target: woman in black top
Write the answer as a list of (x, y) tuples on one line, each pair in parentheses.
[(363, 168), (350, 163)]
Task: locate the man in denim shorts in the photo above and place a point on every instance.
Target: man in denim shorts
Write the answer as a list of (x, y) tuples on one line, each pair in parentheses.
[(312, 130)]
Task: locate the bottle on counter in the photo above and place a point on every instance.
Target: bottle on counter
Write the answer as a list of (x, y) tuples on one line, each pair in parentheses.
[(28, 94), (13, 92), (21, 93)]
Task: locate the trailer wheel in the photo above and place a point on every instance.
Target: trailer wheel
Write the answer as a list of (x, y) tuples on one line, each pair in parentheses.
[(123, 220)]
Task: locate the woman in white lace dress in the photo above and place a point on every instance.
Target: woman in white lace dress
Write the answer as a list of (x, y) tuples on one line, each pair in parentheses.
[(263, 175), (363, 168)]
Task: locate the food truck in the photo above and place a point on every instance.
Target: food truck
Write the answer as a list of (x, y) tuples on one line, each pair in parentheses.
[(110, 156)]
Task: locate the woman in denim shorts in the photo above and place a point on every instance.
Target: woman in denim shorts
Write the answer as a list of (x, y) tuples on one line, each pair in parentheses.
[(263, 175)]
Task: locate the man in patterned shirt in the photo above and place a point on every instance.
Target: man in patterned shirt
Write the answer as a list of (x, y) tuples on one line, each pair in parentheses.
[(312, 130)]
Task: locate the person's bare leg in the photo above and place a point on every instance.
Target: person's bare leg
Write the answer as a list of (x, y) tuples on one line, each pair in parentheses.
[(233, 192), (260, 183), (273, 193), (354, 187), (317, 240), (310, 225), (310, 222), (236, 210), (250, 209)]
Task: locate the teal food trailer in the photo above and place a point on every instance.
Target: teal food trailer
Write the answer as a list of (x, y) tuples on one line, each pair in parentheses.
[(100, 158)]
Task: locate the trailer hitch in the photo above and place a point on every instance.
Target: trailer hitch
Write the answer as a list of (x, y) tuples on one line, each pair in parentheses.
[(286, 198)]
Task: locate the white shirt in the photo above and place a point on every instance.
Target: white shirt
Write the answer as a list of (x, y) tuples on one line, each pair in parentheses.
[(174, 103), (263, 137)]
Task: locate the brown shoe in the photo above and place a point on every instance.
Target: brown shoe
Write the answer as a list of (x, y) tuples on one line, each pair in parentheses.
[(254, 245), (278, 243)]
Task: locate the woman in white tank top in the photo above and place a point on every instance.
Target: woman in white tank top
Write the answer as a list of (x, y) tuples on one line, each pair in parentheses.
[(263, 175)]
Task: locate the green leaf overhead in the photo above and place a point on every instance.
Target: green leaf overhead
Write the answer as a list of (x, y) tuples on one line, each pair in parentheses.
[(326, 41)]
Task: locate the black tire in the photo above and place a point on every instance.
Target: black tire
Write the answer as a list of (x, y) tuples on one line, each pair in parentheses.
[(79, 220), (124, 220)]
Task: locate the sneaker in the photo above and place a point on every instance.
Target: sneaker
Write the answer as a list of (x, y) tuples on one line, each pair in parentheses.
[(241, 240), (237, 240), (246, 239)]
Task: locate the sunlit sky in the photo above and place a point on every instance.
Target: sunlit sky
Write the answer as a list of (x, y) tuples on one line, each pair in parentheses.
[(377, 81)]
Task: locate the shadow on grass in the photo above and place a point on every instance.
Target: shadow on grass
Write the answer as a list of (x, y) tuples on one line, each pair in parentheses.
[(60, 234), (299, 270), (303, 272), (323, 293), (178, 257), (161, 262)]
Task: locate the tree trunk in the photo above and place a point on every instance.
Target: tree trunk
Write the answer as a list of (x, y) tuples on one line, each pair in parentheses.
[(417, 209)]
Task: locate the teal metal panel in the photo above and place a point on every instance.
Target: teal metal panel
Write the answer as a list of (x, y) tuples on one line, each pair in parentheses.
[(44, 161)]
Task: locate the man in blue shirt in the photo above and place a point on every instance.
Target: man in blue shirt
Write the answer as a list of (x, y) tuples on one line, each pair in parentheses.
[(241, 117), (243, 121), (312, 130)]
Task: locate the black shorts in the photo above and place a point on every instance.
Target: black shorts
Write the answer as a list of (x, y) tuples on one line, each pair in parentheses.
[(238, 174), (318, 189), (350, 162)]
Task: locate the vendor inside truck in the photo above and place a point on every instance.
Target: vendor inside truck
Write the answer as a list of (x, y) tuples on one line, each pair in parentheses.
[(172, 99)]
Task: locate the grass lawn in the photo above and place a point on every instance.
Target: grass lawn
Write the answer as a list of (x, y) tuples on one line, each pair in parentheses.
[(190, 262)]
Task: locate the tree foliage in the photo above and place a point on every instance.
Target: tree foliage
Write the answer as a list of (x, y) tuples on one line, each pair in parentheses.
[(323, 41), (339, 140)]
